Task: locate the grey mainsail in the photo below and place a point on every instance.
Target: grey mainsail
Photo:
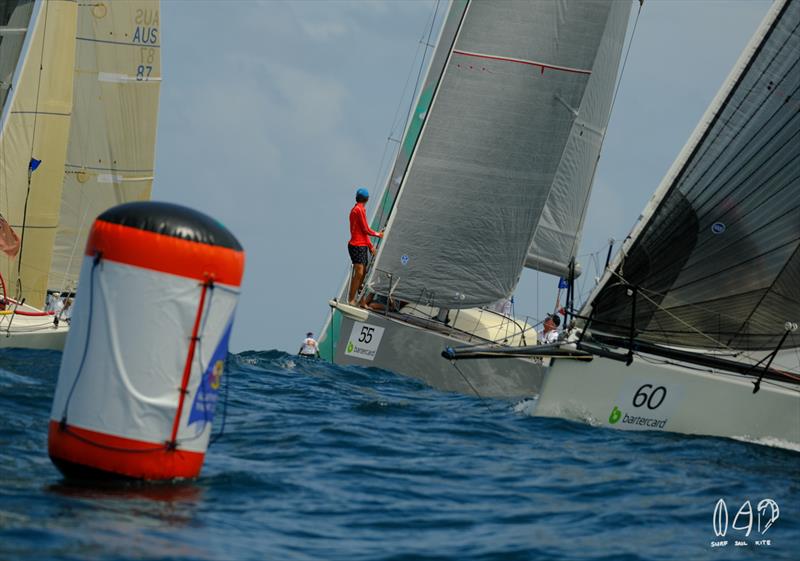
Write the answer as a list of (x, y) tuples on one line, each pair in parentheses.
[(715, 263), (491, 148)]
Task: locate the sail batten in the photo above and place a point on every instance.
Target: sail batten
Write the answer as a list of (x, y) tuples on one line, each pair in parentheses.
[(719, 251), (489, 150)]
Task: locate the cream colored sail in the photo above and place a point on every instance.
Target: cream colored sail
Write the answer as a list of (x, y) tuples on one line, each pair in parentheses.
[(36, 125), (111, 151)]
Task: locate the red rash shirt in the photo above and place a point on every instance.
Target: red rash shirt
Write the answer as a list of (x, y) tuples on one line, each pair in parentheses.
[(359, 229)]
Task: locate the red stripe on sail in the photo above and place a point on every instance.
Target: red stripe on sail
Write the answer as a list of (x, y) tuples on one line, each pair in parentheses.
[(541, 65)]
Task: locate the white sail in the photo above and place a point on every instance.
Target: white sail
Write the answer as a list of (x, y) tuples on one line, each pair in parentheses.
[(111, 152), (558, 231), (489, 151), (35, 126)]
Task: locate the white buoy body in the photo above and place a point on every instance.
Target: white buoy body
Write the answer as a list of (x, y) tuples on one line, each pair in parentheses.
[(143, 363)]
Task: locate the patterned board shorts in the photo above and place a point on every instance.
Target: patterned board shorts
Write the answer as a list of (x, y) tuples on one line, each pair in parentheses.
[(358, 254)]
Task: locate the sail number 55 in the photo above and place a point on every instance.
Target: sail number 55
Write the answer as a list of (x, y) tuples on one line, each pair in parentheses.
[(366, 335), (649, 396)]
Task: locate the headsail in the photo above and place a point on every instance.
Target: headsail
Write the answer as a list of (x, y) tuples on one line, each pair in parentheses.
[(558, 232), (35, 127), (111, 151), (715, 262), (491, 145)]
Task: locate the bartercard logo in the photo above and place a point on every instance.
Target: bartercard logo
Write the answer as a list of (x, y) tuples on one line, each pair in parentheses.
[(744, 523)]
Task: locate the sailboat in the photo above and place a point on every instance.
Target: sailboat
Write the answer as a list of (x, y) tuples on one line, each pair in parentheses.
[(693, 326), (77, 137), (493, 175)]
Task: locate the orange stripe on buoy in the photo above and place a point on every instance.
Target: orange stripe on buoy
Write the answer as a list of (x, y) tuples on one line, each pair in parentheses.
[(168, 254), (125, 456)]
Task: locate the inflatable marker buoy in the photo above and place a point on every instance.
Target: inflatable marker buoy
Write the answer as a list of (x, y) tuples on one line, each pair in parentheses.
[(145, 355)]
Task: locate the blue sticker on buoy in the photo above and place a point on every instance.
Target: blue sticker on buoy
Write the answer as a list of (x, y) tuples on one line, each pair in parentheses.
[(404, 259), (718, 228), (205, 400)]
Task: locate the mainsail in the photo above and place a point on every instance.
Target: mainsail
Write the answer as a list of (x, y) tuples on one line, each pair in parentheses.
[(715, 260), (33, 139), (491, 148), (111, 151)]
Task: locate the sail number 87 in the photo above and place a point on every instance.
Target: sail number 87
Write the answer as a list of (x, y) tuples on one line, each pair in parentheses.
[(366, 335), (650, 396), (143, 72)]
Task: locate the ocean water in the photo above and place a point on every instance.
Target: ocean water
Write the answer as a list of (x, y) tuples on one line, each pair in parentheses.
[(343, 463)]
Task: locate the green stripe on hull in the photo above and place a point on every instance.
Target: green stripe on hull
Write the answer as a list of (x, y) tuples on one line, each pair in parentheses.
[(329, 339)]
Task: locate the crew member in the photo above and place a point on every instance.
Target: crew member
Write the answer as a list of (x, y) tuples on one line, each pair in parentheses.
[(359, 243), (309, 348), (550, 334)]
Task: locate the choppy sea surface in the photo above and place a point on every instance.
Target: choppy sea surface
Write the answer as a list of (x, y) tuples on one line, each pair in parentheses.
[(344, 463)]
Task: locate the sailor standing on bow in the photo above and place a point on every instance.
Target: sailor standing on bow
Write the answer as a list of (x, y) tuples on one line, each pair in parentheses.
[(359, 243)]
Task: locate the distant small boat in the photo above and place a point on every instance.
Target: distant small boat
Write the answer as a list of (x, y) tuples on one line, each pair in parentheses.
[(79, 115)]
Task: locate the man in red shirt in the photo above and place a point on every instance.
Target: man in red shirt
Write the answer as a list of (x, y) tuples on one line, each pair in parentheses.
[(359, 242)]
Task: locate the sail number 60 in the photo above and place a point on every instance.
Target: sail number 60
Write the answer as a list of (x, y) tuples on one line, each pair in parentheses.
[(653, 399)]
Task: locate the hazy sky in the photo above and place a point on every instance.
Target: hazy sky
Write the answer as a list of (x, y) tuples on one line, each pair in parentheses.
[(272, 113)]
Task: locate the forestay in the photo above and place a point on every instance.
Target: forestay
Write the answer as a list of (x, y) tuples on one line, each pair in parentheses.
[(417, 118), (111, 150), (716, 264), (489, 151)]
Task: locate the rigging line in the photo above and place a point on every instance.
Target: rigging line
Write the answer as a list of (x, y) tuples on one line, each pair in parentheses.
[(397, 113), (769, 290), (33, 142), (480, 397), (743, 353), (625, 60), (643, 292), (410, 106)]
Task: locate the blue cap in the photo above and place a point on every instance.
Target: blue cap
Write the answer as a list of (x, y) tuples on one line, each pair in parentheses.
[(362, 193)]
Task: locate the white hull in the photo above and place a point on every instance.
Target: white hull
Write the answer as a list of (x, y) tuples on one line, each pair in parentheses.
[(32, 332), (669, 397)]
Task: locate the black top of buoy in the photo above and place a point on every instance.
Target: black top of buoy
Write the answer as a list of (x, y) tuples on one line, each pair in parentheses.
[(173, 220)]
